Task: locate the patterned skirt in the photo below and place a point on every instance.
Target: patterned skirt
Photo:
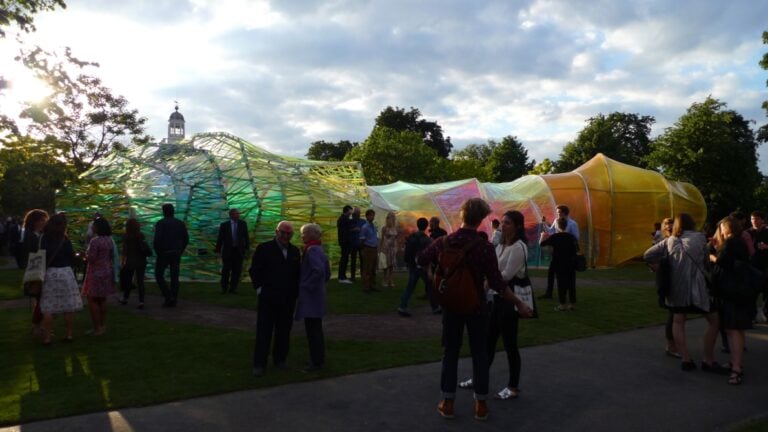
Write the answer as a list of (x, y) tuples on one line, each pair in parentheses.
[(60, 292)]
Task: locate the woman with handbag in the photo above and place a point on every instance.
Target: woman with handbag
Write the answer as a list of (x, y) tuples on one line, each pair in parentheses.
[(100, 276), (512, 255), (60, 293), (34, 222), (133, 261), (686, 250), (732, 268)]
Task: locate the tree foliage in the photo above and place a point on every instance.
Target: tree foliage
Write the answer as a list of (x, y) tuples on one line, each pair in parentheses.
[(430, 132), (390, 155), (762, 133), (21, 12), (81, 118), (714, 149), (329, 151), (619, 136), (478, 152), (544, 167), (30, 175), (508, 160)]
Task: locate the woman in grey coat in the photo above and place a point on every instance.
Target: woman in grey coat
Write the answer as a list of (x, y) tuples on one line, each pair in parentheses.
[(315, 273), (687, 252)]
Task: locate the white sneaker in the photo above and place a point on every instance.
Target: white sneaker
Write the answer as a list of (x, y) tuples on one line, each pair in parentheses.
[(345, 281)]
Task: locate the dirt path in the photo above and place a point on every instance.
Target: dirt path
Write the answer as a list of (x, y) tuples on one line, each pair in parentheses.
[(423, 324)]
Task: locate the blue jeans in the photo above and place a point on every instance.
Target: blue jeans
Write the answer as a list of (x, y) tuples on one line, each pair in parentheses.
[(414, 274), (453, 332)]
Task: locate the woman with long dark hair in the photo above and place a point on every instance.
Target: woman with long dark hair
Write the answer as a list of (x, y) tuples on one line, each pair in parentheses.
[(512, 255), (100, 276), (60, 294), (34, 223), (133, 261)]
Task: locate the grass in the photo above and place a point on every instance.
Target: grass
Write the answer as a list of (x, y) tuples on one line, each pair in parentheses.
[(142, 361)]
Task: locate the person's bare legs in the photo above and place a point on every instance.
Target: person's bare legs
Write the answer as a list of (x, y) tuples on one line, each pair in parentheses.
[(47, 323), (736, 342), (93, 310), (102, 317), (710, 337), (69, 319), (678, 331)]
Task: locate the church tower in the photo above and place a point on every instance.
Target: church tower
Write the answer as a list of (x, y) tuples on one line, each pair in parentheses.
[(175, 127)]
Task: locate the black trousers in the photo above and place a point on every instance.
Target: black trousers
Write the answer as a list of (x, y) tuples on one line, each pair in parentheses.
[(566, 284), (355, 254), (550, 280), (164, 261), (503, 322), (314, 329), (272, 318), (231, 269), (126, 281), (345, 250)]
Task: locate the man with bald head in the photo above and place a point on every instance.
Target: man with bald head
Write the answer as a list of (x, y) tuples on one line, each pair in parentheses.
[(275, 276)]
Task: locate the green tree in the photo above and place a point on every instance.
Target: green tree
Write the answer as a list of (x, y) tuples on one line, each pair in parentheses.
[(388, 155), (544, 167), (460, 169), (21, 12), (762, 133), (30, 175), (81, 118), (430, 132), (619, 136), (714, 149), (329, 151), (508, 160), (479, 152)]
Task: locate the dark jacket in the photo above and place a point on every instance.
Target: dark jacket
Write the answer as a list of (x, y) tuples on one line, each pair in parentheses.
[(31, 241), (343, 225), (564, 248), (170, 236), (224, 242), (276, 275), (414, 244), (134, 251)]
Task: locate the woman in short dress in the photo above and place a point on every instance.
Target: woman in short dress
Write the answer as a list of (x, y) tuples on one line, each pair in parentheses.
[(100, 277), (60, 294), (737, 313), (389, 247), (315, 273)]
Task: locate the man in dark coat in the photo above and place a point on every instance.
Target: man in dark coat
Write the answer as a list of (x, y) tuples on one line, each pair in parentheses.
[(275, 276), (171, 238), (343, 224), (232, 245)]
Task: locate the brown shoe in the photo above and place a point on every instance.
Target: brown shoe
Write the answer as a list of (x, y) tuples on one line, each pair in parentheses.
[(481, 410), (445, 408)]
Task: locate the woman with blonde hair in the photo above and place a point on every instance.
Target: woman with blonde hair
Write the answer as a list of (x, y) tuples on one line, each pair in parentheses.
[(388, 247), (731, 266)]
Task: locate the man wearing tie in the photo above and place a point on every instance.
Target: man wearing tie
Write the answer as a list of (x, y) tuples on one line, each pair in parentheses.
[(232, 245)]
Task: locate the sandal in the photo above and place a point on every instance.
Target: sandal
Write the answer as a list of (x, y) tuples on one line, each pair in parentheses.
[(507, 393), (736, 378), (715, 368), (467, 384)]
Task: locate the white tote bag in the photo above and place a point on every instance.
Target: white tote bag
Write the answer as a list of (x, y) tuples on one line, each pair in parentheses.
[(35, 271)]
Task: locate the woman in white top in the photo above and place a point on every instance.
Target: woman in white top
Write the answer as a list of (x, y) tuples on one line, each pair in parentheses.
[(512, 253)]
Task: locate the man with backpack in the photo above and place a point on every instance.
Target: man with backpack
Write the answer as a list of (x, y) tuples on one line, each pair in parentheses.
[(414, 244), (463, 260)]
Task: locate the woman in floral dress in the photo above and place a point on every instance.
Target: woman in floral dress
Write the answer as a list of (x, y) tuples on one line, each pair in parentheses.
[(100, 276), (389, 247), (59, 294)]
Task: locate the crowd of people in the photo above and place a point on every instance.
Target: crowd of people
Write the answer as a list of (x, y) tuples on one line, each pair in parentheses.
[(717, 275), (704, 274)]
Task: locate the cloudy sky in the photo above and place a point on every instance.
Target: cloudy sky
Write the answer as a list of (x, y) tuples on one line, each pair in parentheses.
[(283, 74)]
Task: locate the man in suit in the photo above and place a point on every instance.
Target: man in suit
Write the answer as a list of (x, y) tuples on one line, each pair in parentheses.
[(275, 276), (232, 245), (171, 238)]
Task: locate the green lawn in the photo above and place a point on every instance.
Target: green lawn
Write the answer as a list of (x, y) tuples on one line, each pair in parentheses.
[(142, 361)]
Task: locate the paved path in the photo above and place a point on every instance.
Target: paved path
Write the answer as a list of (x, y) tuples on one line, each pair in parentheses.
[(619, 382)]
